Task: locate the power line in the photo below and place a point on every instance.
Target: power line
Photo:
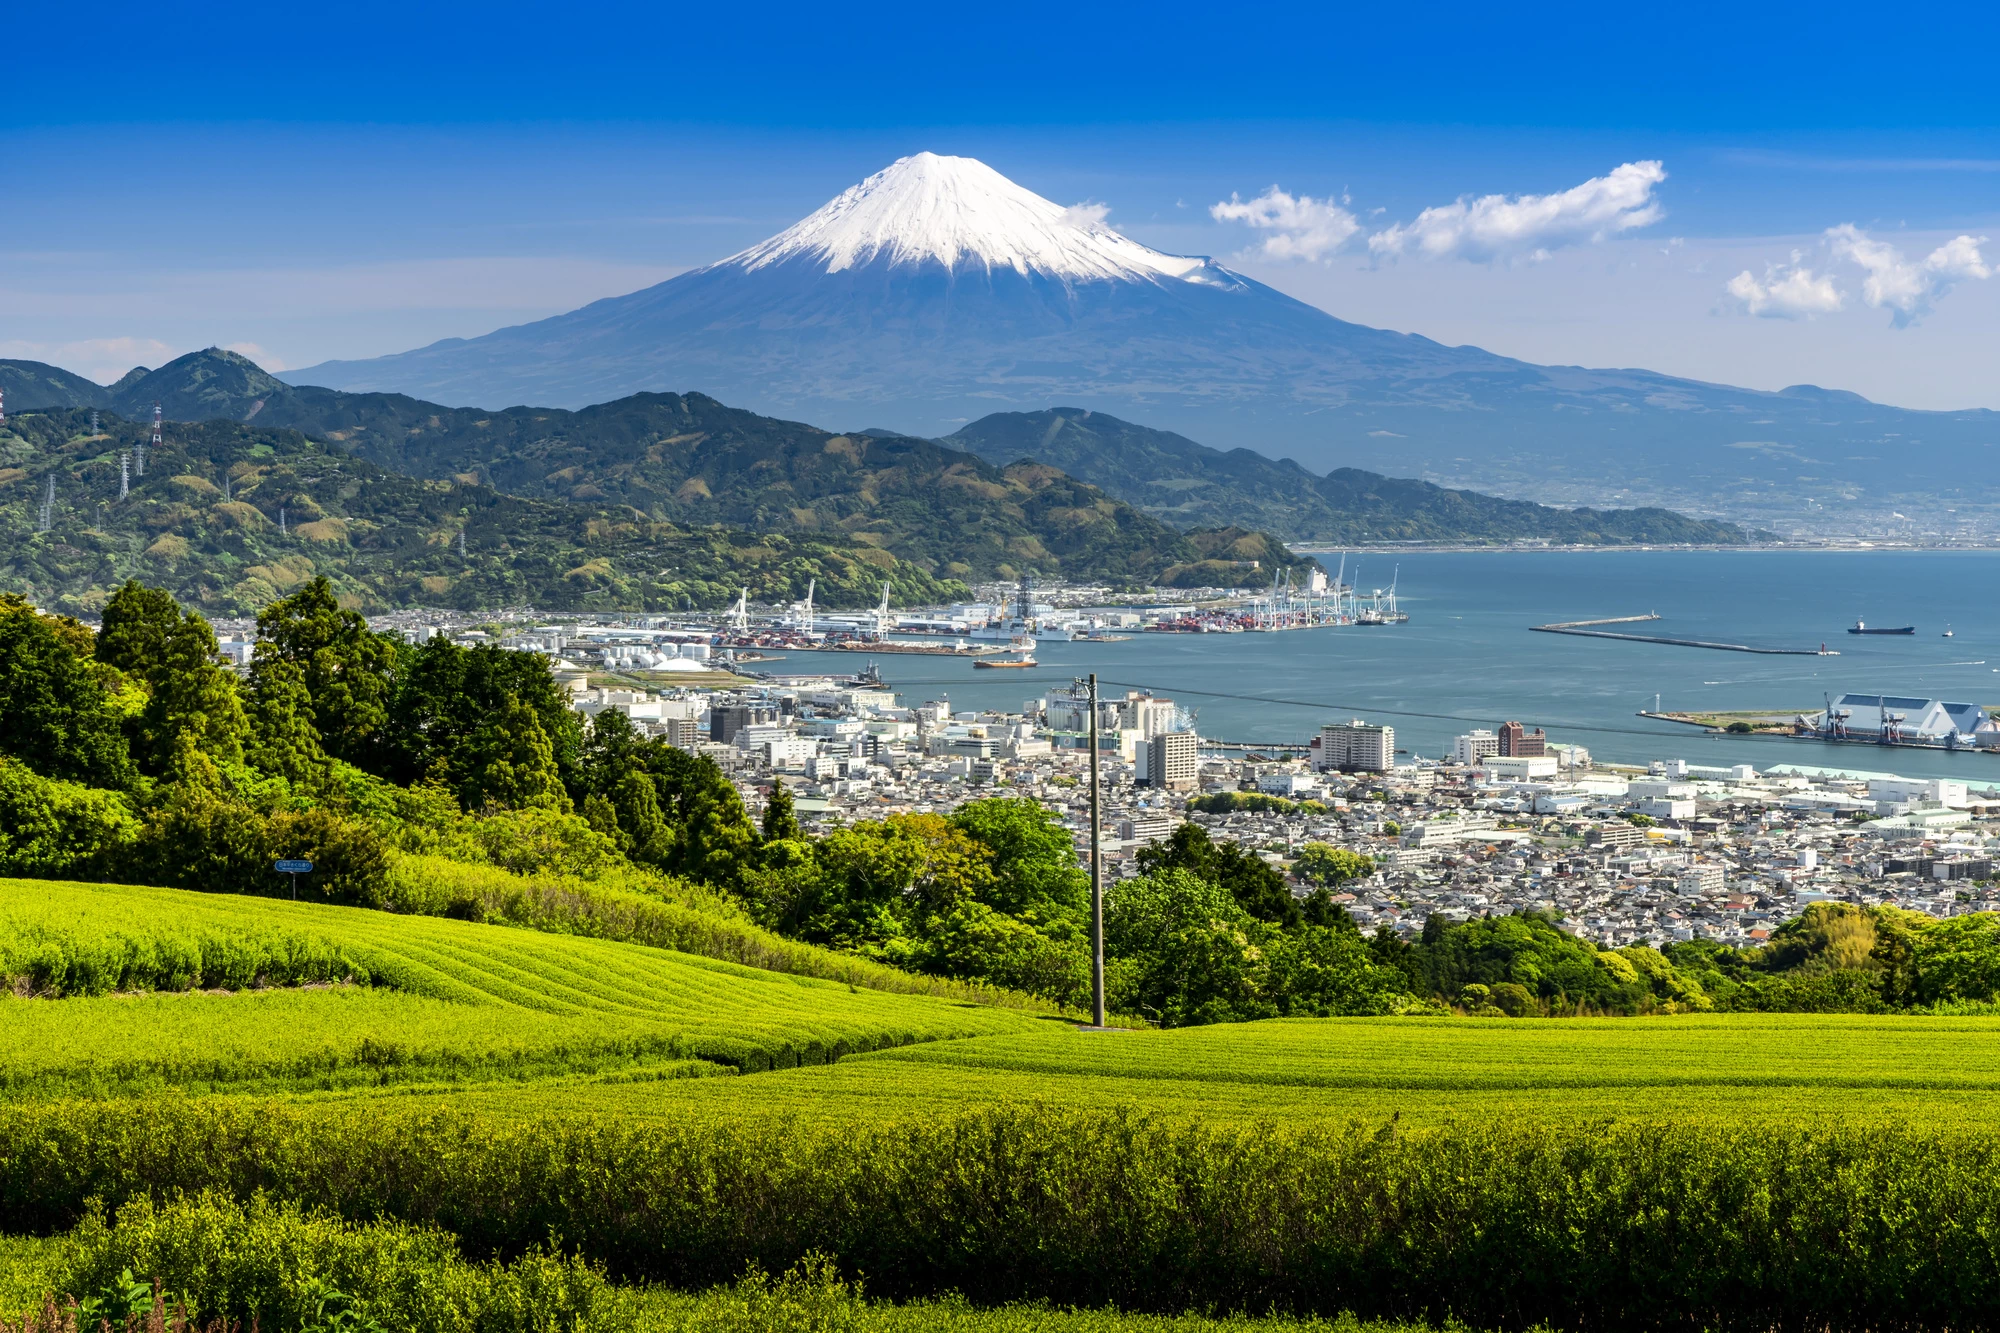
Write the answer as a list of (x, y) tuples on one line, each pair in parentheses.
[(1319, 705)]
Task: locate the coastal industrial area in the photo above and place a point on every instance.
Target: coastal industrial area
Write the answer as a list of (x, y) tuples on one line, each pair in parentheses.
[(1509, 819)]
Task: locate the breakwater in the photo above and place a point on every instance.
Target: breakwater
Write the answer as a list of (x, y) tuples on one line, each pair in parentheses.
[(1583, 629)]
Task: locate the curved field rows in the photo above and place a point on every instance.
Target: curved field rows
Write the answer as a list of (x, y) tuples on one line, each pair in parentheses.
[(430, 999)]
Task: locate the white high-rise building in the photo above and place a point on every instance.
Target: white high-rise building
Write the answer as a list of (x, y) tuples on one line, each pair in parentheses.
[(1356, 747), (1474, 746), (1173, 762)]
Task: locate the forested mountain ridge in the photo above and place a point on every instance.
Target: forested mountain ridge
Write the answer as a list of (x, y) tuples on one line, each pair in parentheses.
[(688, 460), (228, 517), (1181, 481)]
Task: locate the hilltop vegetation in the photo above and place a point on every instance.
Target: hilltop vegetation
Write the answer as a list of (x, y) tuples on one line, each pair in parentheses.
[(692, 463), (1174, 478), (229, 517)]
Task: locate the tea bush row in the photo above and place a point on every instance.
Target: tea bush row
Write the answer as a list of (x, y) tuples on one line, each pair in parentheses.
[(1609, 1226)]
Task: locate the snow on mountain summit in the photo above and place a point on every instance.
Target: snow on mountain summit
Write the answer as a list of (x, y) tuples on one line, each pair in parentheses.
[(960, 213)]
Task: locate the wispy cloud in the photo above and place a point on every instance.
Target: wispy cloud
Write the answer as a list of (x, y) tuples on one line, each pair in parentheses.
[(100, 359), (1087, 214), (1530, 226), (267, 360), (1908, 288), (1299, 227), (1751, 157), (1787, 291)]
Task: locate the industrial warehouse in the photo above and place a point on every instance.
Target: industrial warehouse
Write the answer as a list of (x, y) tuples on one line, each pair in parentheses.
[(1889, 719)]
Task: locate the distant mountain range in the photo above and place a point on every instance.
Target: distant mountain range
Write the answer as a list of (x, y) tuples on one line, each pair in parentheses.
[(658, 498), (937, 292), (1172, 477)]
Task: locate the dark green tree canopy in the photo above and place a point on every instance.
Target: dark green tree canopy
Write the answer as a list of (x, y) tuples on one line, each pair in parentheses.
[(55, 710), (172, 652), (349, 670), (447, 696), (1258, 888)]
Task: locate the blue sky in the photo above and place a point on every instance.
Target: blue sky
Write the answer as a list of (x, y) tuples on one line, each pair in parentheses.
[(363, 180)]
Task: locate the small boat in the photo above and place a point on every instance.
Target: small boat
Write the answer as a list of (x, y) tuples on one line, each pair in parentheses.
[(1947, 631), (1021, 645), (1862, 627)]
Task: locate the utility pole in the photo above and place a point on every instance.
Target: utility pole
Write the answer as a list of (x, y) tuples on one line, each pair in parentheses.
[(1096, 873), (154, 443)]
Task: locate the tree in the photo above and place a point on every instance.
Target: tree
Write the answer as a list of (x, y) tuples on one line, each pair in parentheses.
[(1257, 888), (1322, 972), (1326, 865), (509, 763), (57, 711), (1034, 858), (283, 739), (348, 669), (172, 652), (446, 695), (1183, 951), (780, 822)]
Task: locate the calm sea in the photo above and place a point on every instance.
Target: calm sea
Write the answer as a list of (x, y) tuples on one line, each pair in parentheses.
[(1466, 658)]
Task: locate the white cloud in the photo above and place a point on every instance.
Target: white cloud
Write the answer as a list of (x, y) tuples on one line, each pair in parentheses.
[(1907, 288), (264, 359), (1530, 226), (1787, 291), (1301, 227), (100, 359), (1086, 214)]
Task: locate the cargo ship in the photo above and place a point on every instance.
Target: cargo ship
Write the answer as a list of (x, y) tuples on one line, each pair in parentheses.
[(1862, 627)]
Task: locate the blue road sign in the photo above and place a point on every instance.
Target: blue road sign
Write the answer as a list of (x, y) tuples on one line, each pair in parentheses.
[(295, 867)]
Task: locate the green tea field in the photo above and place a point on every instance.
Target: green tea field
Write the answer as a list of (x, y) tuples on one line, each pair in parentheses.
[(257, 1098), (146, 988)]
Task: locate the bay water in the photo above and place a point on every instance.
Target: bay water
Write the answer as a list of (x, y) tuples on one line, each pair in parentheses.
[(1467, 657)]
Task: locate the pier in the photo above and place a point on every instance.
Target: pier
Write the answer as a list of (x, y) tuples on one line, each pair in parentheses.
[(1582, 629)]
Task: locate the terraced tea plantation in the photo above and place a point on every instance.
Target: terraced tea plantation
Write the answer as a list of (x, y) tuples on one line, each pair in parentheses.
[(1731, 1069), (352, 996), (219, 1073)]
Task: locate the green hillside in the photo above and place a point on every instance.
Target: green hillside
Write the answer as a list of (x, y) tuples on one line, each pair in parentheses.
[(1176, 479), (322, 996), (29, 385), (693, 462), (205, 523)]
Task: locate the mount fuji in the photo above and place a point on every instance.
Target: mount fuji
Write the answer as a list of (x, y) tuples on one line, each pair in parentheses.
[(937, 291)]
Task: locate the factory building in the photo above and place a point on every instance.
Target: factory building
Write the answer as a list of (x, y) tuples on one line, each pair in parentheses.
[(1894, 719)]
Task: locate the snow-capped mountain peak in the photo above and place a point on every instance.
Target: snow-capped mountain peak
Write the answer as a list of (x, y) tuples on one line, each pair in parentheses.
[(960, 213)]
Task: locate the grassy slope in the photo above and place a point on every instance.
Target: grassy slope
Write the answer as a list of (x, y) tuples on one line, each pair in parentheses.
[(1190, 484), (641, 908), (443, 999)]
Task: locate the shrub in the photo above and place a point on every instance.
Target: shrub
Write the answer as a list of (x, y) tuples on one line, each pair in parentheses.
[(1651, 1225), (51, 829), (288, 1269)]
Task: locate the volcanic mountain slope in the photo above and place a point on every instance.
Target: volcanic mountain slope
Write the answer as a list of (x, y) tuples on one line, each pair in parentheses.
[(1172, 477), (937, 291)]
